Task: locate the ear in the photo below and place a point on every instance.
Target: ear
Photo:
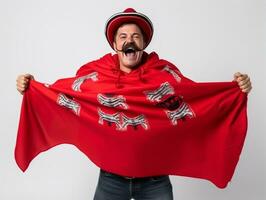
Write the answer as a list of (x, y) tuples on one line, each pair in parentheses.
[(114, 46), (144, 44)]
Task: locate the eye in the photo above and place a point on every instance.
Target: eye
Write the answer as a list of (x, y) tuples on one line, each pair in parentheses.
[(123, 37)]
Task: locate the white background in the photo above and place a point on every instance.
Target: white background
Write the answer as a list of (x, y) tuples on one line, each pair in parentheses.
[(208, 40)]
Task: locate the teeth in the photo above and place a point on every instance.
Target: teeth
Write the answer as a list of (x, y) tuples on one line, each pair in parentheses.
[(129, 51)]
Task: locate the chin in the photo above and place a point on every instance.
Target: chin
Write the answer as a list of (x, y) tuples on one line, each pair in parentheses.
[(132, 64)]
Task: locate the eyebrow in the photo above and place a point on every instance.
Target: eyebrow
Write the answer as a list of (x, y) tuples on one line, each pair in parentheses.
[(126, 34), (122, 34)]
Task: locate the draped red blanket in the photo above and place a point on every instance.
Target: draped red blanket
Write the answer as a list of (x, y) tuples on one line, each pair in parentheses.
[(152, 121)]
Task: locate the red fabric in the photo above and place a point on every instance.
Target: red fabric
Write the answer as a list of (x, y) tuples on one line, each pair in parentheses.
[(205, 142)]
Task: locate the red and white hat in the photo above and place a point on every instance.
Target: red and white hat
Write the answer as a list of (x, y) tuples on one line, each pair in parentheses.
[(128, 16)]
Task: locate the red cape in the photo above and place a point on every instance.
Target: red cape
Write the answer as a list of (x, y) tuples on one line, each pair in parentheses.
[(152, 121)]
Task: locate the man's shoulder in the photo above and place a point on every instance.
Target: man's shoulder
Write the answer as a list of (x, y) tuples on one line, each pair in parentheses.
[(94, 64), (162, 62)]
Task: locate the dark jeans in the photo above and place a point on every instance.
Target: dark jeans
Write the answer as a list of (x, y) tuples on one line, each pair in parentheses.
[(114, 187)]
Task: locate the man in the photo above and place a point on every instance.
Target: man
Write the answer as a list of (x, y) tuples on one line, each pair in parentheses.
[(129, 33)]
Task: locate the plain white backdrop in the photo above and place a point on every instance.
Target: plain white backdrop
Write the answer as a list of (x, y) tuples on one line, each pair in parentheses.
[(209, 40)]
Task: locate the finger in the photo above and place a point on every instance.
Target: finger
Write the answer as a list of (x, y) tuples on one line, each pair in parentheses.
[(23, 86), (20, 89), (247, 90), (29, 76), (244, 81), (236, 75), (22, 82), (246, 87), (19, 77), (243, 77), (24, 78)]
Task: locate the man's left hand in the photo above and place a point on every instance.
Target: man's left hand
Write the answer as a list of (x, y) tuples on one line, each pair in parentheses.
[(243, 81)]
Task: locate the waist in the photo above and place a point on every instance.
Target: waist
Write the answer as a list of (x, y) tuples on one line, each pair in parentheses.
[(130, 177)]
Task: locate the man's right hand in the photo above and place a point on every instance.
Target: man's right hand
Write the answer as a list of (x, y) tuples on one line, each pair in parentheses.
[(23, 82)]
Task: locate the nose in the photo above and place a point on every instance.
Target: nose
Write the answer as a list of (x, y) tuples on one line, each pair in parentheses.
[(129, 39)]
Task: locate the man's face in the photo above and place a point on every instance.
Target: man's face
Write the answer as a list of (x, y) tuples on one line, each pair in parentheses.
[(129, 33)]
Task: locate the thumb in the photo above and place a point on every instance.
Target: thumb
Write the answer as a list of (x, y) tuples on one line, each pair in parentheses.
[(29, 76), (236, 75)]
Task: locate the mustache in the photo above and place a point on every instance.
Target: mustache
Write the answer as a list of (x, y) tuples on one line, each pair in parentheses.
[(131, 46)]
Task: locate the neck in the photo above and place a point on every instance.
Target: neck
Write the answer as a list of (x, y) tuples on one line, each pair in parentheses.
[(126, 69)]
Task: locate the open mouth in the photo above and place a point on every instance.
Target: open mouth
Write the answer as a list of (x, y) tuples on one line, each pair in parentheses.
[(130, 51)]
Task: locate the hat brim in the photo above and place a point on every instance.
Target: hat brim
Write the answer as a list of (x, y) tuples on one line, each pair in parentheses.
[(118, 19)]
